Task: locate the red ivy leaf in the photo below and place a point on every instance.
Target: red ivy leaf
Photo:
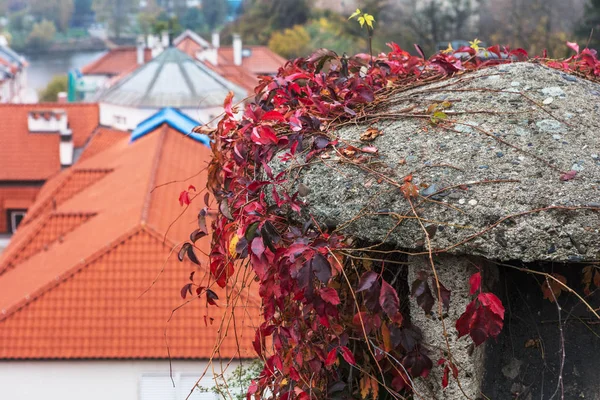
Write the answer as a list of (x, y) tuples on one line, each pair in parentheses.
[(184, 198), (491, 301), (445, 296), (258, 246), (348, 356), (331, 358), (330, 295), (445, 377), (366, 281), (567, 176), (475, 282), (388, 299), (185, 290)]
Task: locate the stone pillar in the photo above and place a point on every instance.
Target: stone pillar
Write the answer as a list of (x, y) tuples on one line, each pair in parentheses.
[(454, 273)]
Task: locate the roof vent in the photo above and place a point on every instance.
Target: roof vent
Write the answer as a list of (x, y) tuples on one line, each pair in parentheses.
[(246, 53), (41, 121)]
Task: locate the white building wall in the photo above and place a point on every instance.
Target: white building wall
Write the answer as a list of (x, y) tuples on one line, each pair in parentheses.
[(99, 380), (128, 118)]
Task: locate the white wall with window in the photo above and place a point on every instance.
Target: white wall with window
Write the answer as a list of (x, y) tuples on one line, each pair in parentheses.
[(103, 380)]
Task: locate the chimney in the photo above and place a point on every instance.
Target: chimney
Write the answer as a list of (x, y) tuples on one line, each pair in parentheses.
[(62, 97), (216, 40), (140, 50), (66, 148), (150, 41), (165, 39), (47, 121), (237, 49)]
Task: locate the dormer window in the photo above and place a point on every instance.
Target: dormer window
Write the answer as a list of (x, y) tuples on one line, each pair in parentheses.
[(14, 219)]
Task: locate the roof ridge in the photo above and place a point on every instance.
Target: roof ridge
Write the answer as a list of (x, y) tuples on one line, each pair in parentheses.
[(68, 274), (152, 180), (10, 257)]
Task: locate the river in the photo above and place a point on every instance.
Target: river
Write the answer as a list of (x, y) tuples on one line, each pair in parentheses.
[(43, 67)]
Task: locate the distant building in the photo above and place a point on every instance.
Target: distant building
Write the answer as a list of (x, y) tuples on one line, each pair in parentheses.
[(36, 142), (13, 75), (172, 79), (238, 63), (75, 321)]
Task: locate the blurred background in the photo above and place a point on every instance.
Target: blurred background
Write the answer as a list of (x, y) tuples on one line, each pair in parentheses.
[(57, 35)]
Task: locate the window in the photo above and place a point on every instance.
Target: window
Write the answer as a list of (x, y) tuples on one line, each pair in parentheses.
[(120, 122), (14, 219), (160, 387)]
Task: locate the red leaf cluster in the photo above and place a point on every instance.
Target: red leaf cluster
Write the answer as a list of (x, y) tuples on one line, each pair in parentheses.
[(309, 313), (484, 316)]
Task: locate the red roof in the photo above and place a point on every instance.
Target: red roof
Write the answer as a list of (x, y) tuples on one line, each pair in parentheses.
[(73, 278), (35, 156), (116, 61), (17, 198), (261, 61)]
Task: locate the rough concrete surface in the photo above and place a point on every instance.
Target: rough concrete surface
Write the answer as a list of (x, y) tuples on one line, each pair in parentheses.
[(542, 112), (453, 272)]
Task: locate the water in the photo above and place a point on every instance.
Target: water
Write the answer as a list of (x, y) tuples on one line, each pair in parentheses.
[(43, 67)]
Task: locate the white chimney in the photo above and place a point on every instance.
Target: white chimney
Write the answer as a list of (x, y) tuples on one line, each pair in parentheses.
[(237, 49), (62, 97), (216, 40), (150, 41), (66, 148), (165, 39), (47, 121), (140, 50)]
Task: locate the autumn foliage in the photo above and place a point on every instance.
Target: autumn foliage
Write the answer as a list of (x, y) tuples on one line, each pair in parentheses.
[(333, 327)]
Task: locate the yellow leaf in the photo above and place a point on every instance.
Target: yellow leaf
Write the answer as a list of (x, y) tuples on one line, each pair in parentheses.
[(368, 385), (387, 337), (361, 20), (369, 19), (449, 49), (356, 13), (475, 44), (232, 245)]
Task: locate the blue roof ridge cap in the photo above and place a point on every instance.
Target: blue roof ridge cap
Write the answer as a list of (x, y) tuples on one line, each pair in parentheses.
[(175, 119)]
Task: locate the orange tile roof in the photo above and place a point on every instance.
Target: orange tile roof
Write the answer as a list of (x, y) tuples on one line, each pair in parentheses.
[(189, 46), (116, 61), (10, 196), (76, 291), (33, 156), (102, 139), (261, 61)]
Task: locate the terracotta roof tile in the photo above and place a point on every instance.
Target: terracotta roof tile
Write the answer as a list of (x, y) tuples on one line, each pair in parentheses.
[(102, 139), (79, 297), (261, 61), (35, 156), (53, 228), (98, 312), (116, 62)]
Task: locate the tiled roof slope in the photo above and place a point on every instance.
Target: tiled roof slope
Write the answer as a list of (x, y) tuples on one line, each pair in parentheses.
[(102, 139), (35, 156), (261, 60), (79, 297), (116, 62)]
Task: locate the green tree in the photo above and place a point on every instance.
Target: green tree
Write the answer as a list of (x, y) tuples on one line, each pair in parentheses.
[(263, 17), (589, 22), (59, 83), (291, 43), (214, 12), (42, 35), (193, 19), (57, 11), (115, 13)]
